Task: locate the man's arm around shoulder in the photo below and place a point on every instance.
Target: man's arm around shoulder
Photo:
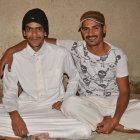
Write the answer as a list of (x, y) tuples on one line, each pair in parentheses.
[(7, 58)]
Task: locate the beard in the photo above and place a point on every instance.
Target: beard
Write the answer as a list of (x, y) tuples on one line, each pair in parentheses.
[(92, 41)]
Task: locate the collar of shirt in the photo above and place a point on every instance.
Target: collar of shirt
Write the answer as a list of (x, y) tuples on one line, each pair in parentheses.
[(34, 53)]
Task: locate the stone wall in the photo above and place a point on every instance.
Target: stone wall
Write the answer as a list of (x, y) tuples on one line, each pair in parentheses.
[(122, 19)]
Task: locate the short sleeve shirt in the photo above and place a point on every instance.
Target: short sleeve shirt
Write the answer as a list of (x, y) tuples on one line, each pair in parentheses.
[(97, 73)]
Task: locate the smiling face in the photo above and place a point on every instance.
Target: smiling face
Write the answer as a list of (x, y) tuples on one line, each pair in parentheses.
[(92, 32), (34, 33)]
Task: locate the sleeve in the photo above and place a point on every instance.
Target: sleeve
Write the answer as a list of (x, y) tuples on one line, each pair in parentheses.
[(122, 67), (65, 43), (71, 71), (10, 90)]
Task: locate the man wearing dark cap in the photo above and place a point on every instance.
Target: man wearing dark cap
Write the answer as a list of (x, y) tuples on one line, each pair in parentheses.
[(39, 69), (104, 92)]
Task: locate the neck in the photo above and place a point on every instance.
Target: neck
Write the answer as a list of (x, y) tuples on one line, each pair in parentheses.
[(36, 47), (100, 49)]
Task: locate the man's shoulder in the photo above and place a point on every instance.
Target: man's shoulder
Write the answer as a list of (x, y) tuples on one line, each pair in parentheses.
[(56, 49), (16, 54), (70, 43), (116, 48)]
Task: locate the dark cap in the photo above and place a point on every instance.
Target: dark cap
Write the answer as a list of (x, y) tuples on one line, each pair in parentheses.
[(92, 15), (38, 16)]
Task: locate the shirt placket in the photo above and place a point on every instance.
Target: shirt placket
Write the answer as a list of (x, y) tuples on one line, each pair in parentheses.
[(39, 75)]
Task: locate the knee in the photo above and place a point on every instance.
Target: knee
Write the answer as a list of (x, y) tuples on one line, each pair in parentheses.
[(70, 104)]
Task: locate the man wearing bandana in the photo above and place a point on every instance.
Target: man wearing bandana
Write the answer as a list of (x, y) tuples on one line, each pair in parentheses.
[(103, 101)]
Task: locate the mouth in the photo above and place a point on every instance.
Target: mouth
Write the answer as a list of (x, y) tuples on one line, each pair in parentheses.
[(91, 38), (34, 39)]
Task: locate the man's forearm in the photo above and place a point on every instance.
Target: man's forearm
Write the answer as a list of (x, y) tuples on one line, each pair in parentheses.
[(123, 99), (8, 55), (50, 40), (121, 106), (17, 47), (13, 114), (18, 124)]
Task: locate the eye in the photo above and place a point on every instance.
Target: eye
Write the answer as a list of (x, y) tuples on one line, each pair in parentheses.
[(96, 27), (40, 29), (84, 28), (28, 29)]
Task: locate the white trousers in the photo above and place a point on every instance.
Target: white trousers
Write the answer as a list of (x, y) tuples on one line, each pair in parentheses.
[(41, 118), (92, 109)]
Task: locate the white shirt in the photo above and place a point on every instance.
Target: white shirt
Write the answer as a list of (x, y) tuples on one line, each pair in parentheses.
[(97, 73), (40, 75)]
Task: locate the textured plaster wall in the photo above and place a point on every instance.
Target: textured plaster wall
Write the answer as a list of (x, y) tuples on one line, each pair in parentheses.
[(122, 19)]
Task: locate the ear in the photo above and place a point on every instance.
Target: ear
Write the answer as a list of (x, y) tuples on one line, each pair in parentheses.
[(104, 29), (46, 34), (24, 35)]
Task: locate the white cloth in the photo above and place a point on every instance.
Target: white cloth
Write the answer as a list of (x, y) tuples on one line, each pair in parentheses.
[(92, 109), (97, 73), (40, 75), (98, 87), (39, 117)]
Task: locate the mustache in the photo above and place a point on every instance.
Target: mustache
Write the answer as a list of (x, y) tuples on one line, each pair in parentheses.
[(88, 37), (34, 38)]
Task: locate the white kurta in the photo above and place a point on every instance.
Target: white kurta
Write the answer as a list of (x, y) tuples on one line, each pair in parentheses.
[(40, 75)]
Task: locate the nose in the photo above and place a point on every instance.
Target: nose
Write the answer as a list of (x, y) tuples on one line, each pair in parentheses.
[(91, 32), (34, 32)]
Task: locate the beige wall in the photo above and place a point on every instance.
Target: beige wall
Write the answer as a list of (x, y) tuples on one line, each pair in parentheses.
[(122, 18)]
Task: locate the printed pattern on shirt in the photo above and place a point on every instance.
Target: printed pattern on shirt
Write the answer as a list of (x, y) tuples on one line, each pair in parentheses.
[(97, 74)]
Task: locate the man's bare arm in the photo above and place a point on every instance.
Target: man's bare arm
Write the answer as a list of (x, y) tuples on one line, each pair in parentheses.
[(108, 124), (18, 124), (123, 99), (8, 55), (51, 40)]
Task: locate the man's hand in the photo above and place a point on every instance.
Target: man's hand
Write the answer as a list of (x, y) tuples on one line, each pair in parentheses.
[(6, 59), (8, 56), (57, 105), (107, 125), (18, 125)]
